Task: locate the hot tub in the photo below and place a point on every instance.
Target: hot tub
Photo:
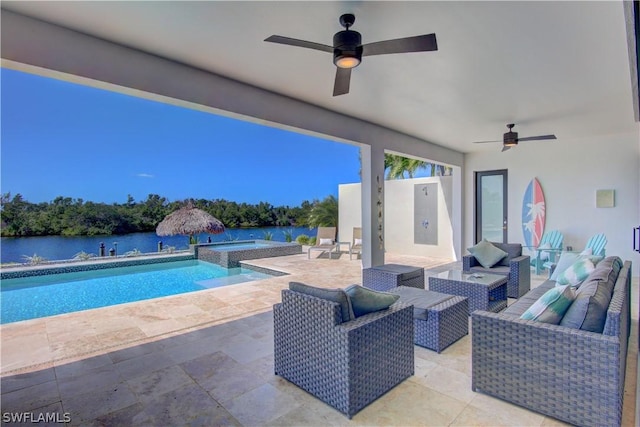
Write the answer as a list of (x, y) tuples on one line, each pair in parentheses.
[(229, 254)]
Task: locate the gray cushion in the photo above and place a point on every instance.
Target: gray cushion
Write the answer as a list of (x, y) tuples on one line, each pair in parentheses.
[(589, 310), (486, 254), (334, 295), (365, 300), (421, 299), (607, 271), (524, 302), (513, 250)]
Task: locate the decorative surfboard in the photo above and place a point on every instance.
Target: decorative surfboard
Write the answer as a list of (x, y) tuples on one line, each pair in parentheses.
[(533, 214)]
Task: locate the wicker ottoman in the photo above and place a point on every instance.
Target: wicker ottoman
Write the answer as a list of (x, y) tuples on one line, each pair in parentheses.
[(388, 276), (439, 319)]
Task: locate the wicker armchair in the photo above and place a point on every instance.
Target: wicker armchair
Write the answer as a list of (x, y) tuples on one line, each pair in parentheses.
[(345, 364), (517, 269)]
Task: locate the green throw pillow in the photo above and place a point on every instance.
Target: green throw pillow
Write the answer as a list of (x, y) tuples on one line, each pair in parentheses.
[(551, 306), (365, 300), (487, 254), (576, 274)]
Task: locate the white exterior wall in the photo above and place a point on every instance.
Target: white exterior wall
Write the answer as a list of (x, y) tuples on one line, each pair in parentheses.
[(569, 172), (399, 216)]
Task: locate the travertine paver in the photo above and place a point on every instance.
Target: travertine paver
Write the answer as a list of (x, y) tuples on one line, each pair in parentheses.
[(206, 358)]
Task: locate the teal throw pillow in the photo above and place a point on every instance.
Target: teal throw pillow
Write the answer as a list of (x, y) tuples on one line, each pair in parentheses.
[(551, 306), (576, 274), (334, 295), (487, 254), (365, 300), (567, 259)]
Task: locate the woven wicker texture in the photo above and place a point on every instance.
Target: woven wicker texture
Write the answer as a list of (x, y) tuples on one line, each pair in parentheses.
[(346, 365), (446, 323), (383, 280), (492, 297), (518, 278), (573, 375)]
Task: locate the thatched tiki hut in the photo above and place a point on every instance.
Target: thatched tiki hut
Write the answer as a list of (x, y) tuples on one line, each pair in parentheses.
[(189, 221)]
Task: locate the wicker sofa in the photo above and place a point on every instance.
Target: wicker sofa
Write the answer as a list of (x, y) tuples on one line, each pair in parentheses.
[(570, 374), (345, 364), (515, 266)]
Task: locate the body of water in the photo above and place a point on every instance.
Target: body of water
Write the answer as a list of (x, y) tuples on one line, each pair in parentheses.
[(14, 249)]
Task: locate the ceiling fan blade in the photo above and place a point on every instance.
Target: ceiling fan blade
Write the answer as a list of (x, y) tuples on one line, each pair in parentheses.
[(537, 138), (343, 79), (422, 43), (300, 43), (505, 148), (484, 142)]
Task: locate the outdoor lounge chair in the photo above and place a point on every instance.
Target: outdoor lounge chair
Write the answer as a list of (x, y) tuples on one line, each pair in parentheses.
[(356, 244), (345, 363), (325, 241), (550, 245), (596, 245)]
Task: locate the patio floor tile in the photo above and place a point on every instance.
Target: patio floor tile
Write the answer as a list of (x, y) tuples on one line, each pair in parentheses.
[(206, 358)]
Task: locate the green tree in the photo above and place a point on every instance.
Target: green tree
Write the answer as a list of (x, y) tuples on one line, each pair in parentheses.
[(396, 166), (324, 213)]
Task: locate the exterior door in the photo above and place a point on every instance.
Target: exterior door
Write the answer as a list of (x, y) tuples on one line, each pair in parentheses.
[(491, 206)]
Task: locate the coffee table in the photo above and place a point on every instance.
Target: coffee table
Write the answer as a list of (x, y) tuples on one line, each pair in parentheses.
[(485, 291), (439, 320)]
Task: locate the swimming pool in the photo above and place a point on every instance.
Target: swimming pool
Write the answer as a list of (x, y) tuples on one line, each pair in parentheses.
[(41, 296)]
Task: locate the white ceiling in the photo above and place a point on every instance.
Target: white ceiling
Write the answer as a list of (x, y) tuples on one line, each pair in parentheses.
[(549, 67)]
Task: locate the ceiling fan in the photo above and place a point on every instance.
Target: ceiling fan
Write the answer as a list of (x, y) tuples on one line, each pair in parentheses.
[(348, 49), (510, 139)]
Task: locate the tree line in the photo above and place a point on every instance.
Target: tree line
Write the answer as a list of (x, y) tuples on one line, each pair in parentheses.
[(65, 216)]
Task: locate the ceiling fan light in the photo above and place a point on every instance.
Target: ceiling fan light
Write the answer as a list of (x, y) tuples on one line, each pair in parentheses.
[(347, 61), (510, 139)]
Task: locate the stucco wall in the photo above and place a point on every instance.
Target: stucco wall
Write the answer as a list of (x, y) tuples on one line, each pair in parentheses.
[(569, 172), (399, 221)]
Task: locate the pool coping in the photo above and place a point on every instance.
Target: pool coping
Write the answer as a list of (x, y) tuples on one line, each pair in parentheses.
[(90, 265)]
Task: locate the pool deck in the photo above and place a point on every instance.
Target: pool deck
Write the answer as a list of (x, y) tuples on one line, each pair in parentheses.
[(206, 358)]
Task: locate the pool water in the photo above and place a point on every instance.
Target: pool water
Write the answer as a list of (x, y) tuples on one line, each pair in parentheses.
[(42, 296), (238, 246)]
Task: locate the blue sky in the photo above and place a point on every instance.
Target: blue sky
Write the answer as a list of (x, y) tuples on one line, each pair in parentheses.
[(63, 139)]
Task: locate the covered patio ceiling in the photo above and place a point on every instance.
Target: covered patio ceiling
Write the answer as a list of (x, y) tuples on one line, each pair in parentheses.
[(550, 67)]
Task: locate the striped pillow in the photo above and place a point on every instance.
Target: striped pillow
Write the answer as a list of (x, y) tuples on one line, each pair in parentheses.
[(551, 306), (576, 274)]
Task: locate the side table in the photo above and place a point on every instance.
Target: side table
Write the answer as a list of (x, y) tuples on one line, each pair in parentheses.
[(388, 276)]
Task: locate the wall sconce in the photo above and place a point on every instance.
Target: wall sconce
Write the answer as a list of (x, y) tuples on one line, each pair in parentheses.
[(605, 198)]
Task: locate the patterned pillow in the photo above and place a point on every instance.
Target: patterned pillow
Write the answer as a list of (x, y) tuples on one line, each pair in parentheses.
[(487, 254), (567, 259), (576, 274), (365, 300), (551, 306)]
